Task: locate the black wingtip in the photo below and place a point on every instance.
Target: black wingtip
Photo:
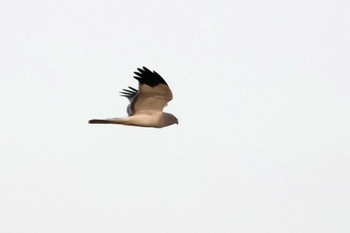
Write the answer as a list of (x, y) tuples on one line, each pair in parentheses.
[(146, 69), (145, 76), (129, 93), (133, 89)]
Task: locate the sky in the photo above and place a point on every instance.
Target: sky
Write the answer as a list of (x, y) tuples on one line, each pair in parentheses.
[(261, 90)]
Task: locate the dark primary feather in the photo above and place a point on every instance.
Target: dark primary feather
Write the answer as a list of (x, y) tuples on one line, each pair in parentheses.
[(145, 76), (129, 93)]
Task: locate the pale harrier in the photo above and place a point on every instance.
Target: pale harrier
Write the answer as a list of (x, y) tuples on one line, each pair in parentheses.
[(146, 104)]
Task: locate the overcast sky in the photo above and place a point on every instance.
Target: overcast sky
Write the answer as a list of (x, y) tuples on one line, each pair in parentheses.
[(261, 90)]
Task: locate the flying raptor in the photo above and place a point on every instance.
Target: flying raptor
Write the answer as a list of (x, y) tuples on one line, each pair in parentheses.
[(146, 103)]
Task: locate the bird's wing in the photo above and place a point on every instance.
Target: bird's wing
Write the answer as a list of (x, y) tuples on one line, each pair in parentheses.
[(129, 93), (152, 96)]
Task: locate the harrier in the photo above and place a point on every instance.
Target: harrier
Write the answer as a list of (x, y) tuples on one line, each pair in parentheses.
[(146, 103)]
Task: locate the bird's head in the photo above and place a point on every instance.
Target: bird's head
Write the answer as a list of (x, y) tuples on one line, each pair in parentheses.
[(170, 119)]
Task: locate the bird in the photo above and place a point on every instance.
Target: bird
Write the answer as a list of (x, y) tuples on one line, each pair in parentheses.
[(146, 104)]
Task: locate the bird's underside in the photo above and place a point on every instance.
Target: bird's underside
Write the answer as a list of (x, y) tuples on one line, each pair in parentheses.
[(146, 103)]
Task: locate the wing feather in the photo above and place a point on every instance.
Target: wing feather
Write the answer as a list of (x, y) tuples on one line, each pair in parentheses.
[(129, 93)]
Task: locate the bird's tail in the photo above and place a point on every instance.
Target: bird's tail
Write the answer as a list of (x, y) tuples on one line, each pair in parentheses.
[(108, 121)]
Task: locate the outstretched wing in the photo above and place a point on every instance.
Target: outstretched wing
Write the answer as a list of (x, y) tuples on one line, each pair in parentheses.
[(130, 94), (152, 96)]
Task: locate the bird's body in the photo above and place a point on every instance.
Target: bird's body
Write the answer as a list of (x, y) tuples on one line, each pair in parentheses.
[(146, 104)]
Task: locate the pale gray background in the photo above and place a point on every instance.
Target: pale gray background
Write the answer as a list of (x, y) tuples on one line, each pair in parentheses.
[(261, 90)]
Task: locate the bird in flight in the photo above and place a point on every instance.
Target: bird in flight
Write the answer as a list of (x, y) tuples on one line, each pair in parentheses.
[(146, 103)]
